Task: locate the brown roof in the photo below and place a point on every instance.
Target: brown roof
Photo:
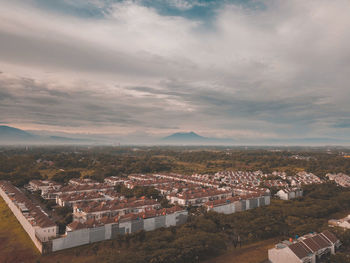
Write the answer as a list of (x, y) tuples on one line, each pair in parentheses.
[(321, 241), (310, 243), (75, 225), (300, 250), (18, 198), (330, 236)]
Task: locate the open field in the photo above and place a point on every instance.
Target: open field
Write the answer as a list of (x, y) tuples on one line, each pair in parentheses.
[(252, 253)]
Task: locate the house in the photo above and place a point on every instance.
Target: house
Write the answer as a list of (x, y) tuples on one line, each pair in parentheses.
[(343, 223), (114, 180), (310, 248), (289, 193), (70, 189), (79, 181), (237, 203), (43, 186)]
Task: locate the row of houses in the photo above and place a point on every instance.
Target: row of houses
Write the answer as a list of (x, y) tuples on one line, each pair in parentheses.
[(289, 193), (74, 189), (239, 177), (35, 221), (69, 199), (93, 220), (304, 178), (197, 197), (43, 186), (340, 179), (82, 212), (94, 230), (237, 203), (310, 248)]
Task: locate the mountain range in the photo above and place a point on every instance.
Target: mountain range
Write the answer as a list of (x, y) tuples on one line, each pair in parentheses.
[(13, 136), (10, 135)]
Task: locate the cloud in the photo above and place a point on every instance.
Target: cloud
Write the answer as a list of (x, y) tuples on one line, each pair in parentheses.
[(267, 68)]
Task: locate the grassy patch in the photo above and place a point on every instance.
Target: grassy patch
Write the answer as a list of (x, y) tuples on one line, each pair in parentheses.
[(251, 253), (15, 244)]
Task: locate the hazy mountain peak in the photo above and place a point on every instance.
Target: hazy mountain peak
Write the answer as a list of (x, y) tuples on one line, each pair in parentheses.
[(184, 136), (13, 133)]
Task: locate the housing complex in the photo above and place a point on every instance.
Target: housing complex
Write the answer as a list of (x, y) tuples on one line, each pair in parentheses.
[(100, 213), (340, 179), (304, 178)]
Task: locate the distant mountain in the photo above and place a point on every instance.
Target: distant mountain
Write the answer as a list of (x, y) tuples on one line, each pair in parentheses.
[(10, 134), (192, 138), (184, 136)]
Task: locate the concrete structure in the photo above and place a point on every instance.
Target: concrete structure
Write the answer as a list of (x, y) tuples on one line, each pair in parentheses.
[(307, 249)]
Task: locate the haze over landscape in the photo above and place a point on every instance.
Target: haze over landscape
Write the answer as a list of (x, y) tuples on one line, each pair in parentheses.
[(236, 72)]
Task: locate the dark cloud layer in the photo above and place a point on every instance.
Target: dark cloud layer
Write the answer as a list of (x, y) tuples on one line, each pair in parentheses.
[(272, 69)]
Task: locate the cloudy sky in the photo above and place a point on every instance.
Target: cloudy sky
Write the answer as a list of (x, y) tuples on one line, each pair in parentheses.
[(232, 69)]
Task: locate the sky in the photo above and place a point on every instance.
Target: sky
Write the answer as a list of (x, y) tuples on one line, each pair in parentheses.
[(253, 69)]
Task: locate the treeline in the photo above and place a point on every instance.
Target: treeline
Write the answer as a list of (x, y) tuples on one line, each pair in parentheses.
[(22, 165)]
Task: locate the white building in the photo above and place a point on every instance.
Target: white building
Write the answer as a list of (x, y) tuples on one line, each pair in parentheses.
[(343, 223), (289, 193)]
